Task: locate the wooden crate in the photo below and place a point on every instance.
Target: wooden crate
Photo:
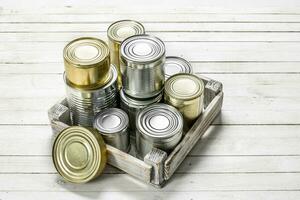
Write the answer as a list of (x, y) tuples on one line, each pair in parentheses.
[(157, 167)]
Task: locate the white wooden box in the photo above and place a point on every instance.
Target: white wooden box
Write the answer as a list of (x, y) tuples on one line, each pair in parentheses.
[(157, 167)]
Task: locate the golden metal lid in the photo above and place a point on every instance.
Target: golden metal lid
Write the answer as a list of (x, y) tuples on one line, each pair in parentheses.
[(87, 62), (120, 30), (79, 154), (184, 86)]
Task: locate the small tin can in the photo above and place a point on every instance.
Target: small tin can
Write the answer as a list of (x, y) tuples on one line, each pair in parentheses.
[(86, 103), (87, 62), (176, 65), (159, 125), (112, 124), (185, 92), (117, 32), (79, 154), (142, 66), (132, 106)]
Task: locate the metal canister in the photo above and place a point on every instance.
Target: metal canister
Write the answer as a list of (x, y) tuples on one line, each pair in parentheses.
[(132, 106), (87, 62), (117, 33), (176, 65), (142, 66), (112, 124), (79, 154), (86, 103), (185, 92), (159, 125)]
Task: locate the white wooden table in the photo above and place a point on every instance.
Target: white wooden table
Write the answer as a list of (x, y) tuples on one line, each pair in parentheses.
[(253, 47)]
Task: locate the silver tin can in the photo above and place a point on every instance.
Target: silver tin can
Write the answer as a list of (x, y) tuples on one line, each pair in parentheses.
[(142, 66), (132, 106), (85, 104), (159, 125), (112, 124), (176, 65)]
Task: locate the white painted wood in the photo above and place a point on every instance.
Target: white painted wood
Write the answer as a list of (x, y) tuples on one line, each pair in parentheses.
[(179, 182)]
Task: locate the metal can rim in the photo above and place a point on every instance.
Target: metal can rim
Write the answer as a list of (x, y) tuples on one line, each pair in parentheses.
[(186, 65), (137, 103)]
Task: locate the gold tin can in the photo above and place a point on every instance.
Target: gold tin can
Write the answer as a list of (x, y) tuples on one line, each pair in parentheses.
[(87, 62), (185, 92), (117, 32), (79, 154)]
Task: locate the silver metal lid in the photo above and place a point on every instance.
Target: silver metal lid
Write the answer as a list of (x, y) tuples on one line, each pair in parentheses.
[(174, 65), (159, 122), (120, 30), (142, 49), (111, 120), (139, 103)]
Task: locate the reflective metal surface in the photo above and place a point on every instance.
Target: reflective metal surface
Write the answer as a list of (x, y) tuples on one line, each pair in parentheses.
[(117, 33), (79, 154), (85, 104), (87, 62), (112, 124), (159, 125), (132, 106), (176, 65), (142, 66), (185, 92)]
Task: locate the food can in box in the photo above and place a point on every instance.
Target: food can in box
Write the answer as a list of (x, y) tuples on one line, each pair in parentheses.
[(79, 154), (175, 65), (112, 124), (87, 62), (185, 92), (132, 106), (160, 126), (86, 103), (142, 66), (117, 33)]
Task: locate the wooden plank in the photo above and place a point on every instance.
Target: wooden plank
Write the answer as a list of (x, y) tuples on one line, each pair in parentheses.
[(191, 165), (219, 140), (161, 27), (240, 195), (179, 182), (192, 51), (183, 36)]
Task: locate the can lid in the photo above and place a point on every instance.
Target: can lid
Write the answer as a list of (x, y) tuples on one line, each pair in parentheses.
[(174, 65), (184, 86), (132, 102), (86, 52), (111, 120), (120, 30), (142, 49), (79, 154), (159, 122)]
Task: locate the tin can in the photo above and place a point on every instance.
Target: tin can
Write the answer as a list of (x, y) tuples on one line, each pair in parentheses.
[(117, 32), (176, 65), (79, 154), (132, 106), (159, 125), (112, 124), (87, 62), (86, 103), (185, 92), (142, 66)]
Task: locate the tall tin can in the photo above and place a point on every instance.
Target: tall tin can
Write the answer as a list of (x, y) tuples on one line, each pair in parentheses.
[(175, 65), (87, 62), (133, 106), (159, 125), (117, 32), (142, 66), (79, 154), (86, 103), (185, 92), (112, 124)]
